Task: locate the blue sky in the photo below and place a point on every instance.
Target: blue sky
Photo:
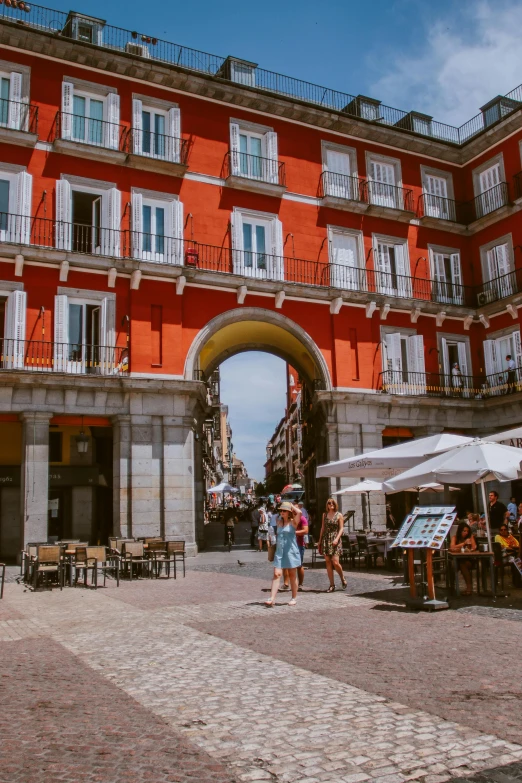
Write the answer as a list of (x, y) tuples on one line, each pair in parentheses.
[(445, 59)]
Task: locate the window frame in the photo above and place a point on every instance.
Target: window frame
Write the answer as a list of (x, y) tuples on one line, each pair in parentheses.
[(357, 234), (487, 164), (506, 239)]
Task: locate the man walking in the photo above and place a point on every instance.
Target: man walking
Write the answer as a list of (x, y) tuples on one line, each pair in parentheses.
[(497, 511), (255, 517)]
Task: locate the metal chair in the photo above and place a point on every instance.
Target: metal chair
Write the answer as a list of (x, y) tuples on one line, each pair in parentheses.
[(368, 551), (348, 551), (157, 551), (133, 554), (176, 549), (94, 558), (48, 561)]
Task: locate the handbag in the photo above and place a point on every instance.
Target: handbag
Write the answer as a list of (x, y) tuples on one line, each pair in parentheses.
[(271, 552)]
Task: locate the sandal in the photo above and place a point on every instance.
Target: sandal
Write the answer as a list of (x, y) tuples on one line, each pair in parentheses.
[(292, 602), (269, 602), (331, 589), (344, 583)]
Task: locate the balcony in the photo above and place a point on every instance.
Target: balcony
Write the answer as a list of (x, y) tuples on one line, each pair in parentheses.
[(18, 123), (253, 173), (342, 191), (389, 200), (487, 203), (432, 210), (464, 387), (46, 357), (83, 137), (157, 152), (499, 288), (517, 185)]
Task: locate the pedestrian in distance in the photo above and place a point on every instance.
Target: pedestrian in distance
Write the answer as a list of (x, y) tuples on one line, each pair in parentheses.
[(287, 553), (511, 375), (262, 530), (329, 544), (255, 518)]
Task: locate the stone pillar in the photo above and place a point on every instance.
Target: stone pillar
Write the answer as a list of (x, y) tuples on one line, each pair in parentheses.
[(146, 474), (179, 480), (121, 473), (34, 490)]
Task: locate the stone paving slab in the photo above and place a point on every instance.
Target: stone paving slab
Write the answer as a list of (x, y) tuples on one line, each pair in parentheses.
[(67, 723)]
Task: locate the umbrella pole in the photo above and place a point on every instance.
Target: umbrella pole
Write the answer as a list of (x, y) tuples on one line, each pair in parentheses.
[(486, 513), (369, 512)]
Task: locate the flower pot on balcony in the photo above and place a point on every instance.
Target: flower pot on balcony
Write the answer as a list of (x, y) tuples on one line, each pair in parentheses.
[(191, 257)]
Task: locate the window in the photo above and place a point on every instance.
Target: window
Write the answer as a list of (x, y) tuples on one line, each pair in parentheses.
[(13, 304), (446, 273), (455, 365), (340, 178), (90, 115), (497, 269), (345, 258), (14, 95), (253, 152), (384, 182), (438, 196), (157, 227), (156, 129), (496, 351), (403, 363), (88, 215), (391, 266), (15, 204), (257, 243), (84, 326), (489, 185)]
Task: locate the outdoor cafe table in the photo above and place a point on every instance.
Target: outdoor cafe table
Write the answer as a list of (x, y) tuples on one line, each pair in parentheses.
[(383, 543), (482, 559)]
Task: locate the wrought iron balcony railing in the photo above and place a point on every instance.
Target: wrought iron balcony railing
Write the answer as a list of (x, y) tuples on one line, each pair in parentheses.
[(499, 288), (88, 130), (70, 358), (381, 194), (157, 146), (18, 116), (470, 387), (487, 202), (254, 167), (133, 43), (343, 186), (442, 208)]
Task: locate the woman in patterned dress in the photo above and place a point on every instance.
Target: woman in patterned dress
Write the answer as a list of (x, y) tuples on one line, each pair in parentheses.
[(329, 543)]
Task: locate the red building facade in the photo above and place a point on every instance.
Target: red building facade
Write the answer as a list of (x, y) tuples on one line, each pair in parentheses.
[(162, 209)]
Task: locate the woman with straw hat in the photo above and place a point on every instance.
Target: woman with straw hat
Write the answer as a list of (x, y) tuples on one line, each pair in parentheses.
[(287, 553)]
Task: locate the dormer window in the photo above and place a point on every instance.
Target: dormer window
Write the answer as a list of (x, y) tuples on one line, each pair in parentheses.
[(239, 71), (81, 27)]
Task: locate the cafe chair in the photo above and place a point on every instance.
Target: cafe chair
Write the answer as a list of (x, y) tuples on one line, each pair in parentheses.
[(133, 557), (176, 549), (367, 551), (46, 563)]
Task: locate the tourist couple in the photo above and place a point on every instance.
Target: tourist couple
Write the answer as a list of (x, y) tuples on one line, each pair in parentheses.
[(290, 546)]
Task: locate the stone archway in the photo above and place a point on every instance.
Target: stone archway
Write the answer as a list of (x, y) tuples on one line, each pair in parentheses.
[(256, 329)]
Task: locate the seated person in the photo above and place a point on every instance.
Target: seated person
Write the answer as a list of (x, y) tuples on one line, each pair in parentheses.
[(464, 541), (477, 523), (507, 541)]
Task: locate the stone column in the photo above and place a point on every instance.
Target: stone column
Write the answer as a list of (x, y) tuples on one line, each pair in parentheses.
[(179, 480), (121, 472), (34, 490), (146, 473)]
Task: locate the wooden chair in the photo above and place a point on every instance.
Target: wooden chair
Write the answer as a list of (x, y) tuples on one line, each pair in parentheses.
[(368, 551), (47, 562), (158, 554), (133, 554), (176, 550), (348, 551)]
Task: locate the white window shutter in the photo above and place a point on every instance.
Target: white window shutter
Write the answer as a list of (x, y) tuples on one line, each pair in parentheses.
[(22, 222), (393, 352), (108, 335), (490, 357), (463, 358), (111, 218), (276, 238), (236, 231), (61, 332), (382, 258), (113, 119), (234, 149), (273, 157), (445, 356), (439, 271), (455, 269), (174, 132), (176, 255), (502, 259), (416, 367), (63, 214), (403, 282), (67, 110), (14, 347), (137, 126), (137, 225), (15, 100), (517, 348)]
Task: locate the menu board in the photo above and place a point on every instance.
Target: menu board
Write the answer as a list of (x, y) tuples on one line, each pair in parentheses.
[(425, 527)]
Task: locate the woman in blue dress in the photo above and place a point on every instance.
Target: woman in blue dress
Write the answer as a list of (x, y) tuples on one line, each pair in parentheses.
[(287, 553)]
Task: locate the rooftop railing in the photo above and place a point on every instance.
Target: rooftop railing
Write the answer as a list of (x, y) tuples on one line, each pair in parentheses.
[(147, 46)]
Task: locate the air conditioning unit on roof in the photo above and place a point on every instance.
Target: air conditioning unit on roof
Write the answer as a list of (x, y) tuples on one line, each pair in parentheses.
[(137, 49)]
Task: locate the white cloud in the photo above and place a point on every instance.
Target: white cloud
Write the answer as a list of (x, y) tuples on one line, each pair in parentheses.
[(461, 66), (253, 385)]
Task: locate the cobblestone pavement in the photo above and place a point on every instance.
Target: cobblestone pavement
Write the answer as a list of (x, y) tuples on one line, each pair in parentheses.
[(197, 678)]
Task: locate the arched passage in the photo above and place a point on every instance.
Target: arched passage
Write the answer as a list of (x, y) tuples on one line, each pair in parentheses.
[(256, 329)]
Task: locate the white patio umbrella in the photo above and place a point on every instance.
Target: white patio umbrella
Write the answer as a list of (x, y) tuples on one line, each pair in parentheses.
[(500, 437), (471, 463), (222, 488), (368, 485), (384, 463)]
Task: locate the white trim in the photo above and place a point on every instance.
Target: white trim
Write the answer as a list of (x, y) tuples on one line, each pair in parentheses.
[(208, 179), (85, 293), (156, 376), (302, 199), (90, 87), (253, 127), (88, 184), (154, 103), (155, 195)]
